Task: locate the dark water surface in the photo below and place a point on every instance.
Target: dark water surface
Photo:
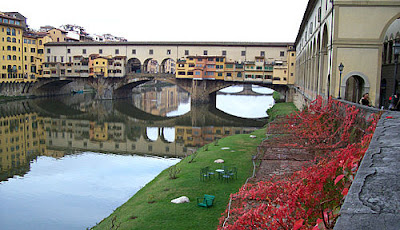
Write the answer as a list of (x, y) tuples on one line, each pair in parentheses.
[(68, 162)]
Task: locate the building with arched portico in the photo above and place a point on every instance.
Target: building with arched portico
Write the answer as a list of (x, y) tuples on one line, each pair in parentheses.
[(352, 33)]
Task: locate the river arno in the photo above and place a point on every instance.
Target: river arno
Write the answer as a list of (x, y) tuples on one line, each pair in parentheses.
[(68, 162)]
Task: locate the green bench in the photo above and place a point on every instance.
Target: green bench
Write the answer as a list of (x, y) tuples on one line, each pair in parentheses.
[(206, 201)]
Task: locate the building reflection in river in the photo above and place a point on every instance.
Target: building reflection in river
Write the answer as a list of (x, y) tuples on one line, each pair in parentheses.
[(33, 128)]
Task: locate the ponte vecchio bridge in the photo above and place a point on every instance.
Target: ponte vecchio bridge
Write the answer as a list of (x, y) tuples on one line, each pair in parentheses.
[(113, 69)]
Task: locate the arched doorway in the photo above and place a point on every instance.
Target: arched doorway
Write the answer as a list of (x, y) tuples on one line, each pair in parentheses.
[(324, 78), (383, 99), (354, 88), (389, 82), (168, 66), (133, 66)]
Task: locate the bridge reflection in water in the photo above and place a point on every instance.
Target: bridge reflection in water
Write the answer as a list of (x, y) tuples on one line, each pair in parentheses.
[(141, 125)]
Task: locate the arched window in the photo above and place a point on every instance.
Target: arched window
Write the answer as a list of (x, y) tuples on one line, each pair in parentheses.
[(14, 48), (14, 40), (13, 32), (8, 57), (8, 31), (8, 47), (8, 39), (14, 57)]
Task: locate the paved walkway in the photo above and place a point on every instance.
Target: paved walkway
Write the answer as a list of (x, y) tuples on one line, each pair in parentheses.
[(373, 201)]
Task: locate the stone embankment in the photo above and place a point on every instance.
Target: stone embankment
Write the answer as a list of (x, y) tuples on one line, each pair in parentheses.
[(373, 201)]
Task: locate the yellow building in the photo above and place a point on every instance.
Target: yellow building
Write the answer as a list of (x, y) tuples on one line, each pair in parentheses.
[(220, 68), (100, 67), (98, 132), (291, 66), (22, 138), (11, 31), (57, 35)]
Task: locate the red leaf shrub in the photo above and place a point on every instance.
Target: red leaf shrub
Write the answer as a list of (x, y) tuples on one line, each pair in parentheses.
[(338, 135)]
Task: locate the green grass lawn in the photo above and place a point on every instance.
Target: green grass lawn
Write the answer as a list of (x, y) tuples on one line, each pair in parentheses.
[(138, 213), (280, 109)]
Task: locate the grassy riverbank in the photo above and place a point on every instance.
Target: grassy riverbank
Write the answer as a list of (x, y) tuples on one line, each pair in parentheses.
[(150, 208)]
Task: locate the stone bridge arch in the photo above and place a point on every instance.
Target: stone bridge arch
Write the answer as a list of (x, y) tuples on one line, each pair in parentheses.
[(133, 66)]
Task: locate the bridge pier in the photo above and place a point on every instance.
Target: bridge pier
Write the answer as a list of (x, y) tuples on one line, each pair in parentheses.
[(199, 93)]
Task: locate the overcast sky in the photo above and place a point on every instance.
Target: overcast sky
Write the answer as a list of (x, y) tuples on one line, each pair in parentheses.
[(171, 20)]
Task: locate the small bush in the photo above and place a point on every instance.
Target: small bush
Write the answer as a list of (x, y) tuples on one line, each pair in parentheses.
[(173, 172)]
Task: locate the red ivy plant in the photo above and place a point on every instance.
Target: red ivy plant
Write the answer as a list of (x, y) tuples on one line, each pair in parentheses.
[(338, 135)]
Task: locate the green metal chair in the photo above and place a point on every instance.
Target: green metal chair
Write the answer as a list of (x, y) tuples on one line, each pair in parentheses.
[(233, 172), (227, 176), (210, 173), (204, 174), (206, 201)]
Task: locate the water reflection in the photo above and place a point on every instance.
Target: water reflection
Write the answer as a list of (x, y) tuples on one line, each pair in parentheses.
[(74, 192), (247, 102), (42, 141)]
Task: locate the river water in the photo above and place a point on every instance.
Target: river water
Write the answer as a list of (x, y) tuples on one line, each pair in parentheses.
[(68, 162)]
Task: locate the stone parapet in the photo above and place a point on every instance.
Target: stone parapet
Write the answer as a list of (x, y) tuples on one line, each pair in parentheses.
[(373, 201)]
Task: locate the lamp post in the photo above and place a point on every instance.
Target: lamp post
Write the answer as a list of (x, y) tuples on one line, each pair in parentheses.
[(394, 98), (341, 67)]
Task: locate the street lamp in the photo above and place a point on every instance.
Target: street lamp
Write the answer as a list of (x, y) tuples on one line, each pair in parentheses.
[(396, 52), (341, 67)]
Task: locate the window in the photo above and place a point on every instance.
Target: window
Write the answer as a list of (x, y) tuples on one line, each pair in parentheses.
[(229, 74), (292, 64), (62, 59), (262, 53), (55, 59), (197, 72), (48, 50), (69, 51), (116, 51), (100, 51), (223, 52), (205, 52), (13, 32), (33, 50), (40, 42), (244, 53), (181, 73), (186, 52), (84, 51), (151, 52), (32, 59), (168, 52), (282, 54), (133, 51), (8, 29)]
